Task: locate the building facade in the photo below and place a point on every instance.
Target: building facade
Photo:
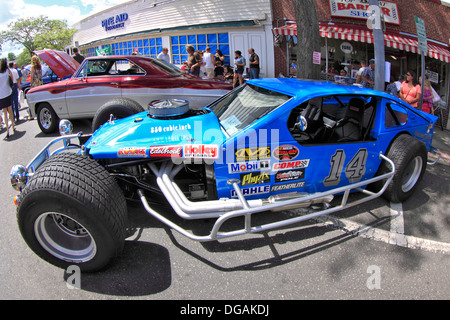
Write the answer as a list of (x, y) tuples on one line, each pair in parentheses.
[(146, 26), (268, 26), (346, 38)]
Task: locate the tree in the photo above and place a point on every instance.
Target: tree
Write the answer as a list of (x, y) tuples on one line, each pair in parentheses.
[(308, 39), (38, 33)]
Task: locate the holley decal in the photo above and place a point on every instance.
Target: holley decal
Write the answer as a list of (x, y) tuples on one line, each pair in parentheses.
[(201, 151)]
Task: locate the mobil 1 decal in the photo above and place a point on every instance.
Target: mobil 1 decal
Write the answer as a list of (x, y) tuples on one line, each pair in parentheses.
[(354, 170), (285, 152)]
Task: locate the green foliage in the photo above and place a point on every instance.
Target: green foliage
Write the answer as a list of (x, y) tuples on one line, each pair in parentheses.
[(38, 33)]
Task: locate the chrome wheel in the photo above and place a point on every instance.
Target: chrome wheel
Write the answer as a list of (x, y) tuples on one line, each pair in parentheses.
[(412, 174), (64, 237), (45, 118)]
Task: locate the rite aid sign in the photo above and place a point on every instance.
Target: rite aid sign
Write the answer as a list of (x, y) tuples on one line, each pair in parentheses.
[(358, 9), (116, 22)]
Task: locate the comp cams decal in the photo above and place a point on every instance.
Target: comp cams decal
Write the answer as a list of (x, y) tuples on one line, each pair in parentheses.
[(297, 164)]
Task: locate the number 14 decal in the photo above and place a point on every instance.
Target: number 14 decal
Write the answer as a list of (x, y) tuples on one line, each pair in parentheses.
[(354, 171)]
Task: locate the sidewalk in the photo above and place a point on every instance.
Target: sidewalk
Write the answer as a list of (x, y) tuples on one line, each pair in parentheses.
[(441, 141)]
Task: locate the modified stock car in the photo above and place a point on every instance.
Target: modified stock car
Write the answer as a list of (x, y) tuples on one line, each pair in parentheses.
[(119, 85), (267, 146)]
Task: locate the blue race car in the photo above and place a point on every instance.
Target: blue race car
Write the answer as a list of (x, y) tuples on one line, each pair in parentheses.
[(268, 145)]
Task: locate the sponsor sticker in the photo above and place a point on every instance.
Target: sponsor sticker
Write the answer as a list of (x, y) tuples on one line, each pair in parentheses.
[(290, 175), (296, 164), (248, 166), (252, 190), (201, 151), (165, 151), (254, 153), (255, 178), (285, 152), (287, 186), (132, 152)]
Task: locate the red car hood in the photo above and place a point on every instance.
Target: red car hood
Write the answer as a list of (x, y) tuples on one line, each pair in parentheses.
[(60, 62)]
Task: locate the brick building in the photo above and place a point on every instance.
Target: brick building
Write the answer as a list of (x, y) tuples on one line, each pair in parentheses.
[(346, 39)]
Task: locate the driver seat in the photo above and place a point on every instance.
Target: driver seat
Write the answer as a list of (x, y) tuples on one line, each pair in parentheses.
[(350, 127)]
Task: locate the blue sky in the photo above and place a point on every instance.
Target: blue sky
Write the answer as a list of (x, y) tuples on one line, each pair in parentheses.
[(70, 10)]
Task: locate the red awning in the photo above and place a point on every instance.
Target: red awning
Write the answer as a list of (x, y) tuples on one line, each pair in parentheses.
[(354, 34)]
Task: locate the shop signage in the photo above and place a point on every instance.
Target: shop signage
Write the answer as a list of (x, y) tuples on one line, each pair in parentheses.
[(359, 9), (113, 23), (346, 47)]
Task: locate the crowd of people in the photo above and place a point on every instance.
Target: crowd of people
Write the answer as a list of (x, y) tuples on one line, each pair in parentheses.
[(407, 87), (204, 63)]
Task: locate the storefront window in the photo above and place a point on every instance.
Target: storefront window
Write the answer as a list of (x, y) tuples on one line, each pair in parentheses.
[(146, 47), (199, 42)]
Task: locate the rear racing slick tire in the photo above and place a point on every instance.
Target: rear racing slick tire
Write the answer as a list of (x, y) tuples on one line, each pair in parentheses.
[(72, 212), (410, 158), (119, 108)]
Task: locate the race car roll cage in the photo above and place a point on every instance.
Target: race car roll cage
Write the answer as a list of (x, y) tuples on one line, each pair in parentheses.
[(226, 209)]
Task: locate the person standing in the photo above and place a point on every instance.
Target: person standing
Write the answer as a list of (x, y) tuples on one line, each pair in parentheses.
[(360, 71), (78, 57), (368, 75), (209, 61), (254, 64), (5, 94), (410, 91), (15, 92), (35, 76), (428, 96), (164, 55), (194, 61), (239, 66)]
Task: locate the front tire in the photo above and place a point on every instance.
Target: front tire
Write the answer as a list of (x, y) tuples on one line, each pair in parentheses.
[(410, 158), (119, 108), (73, 212), (47, 118)]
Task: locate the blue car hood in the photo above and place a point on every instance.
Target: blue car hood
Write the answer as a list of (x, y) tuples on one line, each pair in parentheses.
[(141, 136)]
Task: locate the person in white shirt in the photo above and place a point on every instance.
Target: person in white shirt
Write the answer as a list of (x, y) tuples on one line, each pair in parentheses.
[(15, 90), (164, 55), (209, 60)]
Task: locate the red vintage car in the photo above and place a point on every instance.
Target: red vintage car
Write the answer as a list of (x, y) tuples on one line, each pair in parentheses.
[(118, 85)]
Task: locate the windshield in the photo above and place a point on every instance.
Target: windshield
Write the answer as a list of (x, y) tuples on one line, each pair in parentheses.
[(244, 106)]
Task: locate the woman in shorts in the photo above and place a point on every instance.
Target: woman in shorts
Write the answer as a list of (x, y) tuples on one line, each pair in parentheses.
[(239, 66)]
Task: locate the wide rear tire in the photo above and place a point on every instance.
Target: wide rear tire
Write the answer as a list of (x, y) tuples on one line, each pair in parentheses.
[(72, 212)]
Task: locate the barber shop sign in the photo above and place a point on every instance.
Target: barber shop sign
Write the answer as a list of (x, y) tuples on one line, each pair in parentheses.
[(359, 9)]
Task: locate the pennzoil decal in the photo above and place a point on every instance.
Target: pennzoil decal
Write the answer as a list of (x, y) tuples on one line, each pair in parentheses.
[(132, 152), (255, 178), (254, 153), (285, 152)]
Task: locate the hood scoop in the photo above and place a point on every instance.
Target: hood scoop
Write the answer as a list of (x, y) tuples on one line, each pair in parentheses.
[(167, 109)]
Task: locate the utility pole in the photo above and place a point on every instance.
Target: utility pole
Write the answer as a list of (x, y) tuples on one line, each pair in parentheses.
[(375, 23)]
